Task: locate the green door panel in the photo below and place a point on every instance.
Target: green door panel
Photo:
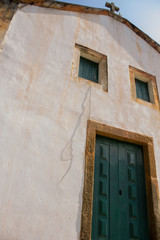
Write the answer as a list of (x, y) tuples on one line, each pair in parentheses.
[(100, 227), (119, 200)]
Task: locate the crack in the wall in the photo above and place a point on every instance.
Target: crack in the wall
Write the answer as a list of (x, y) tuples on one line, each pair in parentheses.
[(69, 144)]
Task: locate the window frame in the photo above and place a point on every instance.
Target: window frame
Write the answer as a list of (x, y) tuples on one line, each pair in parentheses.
[(152, 87), (92, 55)]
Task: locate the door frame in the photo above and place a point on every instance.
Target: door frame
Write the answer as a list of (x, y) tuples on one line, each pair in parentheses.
[(151, 181)]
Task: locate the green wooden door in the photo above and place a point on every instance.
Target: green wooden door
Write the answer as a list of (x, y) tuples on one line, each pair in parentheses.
[(119, 201)]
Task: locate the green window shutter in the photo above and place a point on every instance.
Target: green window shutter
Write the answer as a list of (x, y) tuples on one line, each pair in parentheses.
[(88, 69), (142, 90)]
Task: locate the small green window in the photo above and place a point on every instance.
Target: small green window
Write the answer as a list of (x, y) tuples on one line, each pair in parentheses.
[(142, 91), (88, 69)]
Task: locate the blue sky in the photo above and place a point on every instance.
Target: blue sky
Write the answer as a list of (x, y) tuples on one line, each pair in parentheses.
[(145, 14)]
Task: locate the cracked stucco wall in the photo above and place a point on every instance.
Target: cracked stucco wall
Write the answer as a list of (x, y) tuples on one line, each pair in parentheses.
[(44, 113)]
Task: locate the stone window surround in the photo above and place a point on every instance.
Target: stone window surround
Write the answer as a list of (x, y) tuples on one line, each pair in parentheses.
[(94, 56), (152, 87), (152, 190)]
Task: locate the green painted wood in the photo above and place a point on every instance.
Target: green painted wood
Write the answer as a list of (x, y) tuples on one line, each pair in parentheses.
[(100, 228), (119, 200), (88, 69), (142, 90)]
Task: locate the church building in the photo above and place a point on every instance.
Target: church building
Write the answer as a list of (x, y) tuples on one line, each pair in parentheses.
[(79, 124)]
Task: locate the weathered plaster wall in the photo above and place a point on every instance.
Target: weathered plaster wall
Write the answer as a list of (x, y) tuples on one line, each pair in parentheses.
[(44, 113)]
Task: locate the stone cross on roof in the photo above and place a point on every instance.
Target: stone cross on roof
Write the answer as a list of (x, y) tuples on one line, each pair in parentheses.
[(112, 7)]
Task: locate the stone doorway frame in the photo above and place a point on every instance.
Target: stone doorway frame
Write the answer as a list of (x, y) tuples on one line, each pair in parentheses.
[(152, 190)]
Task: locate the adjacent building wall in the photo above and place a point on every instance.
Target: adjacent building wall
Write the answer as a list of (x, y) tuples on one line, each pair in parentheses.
[(7, 9), (44, 111)]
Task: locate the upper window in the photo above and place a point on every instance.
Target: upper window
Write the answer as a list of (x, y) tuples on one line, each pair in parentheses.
[(90, 67), (142, 91), (144, 88)]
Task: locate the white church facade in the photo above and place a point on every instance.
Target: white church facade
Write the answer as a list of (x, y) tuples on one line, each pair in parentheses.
[(80, 126)]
